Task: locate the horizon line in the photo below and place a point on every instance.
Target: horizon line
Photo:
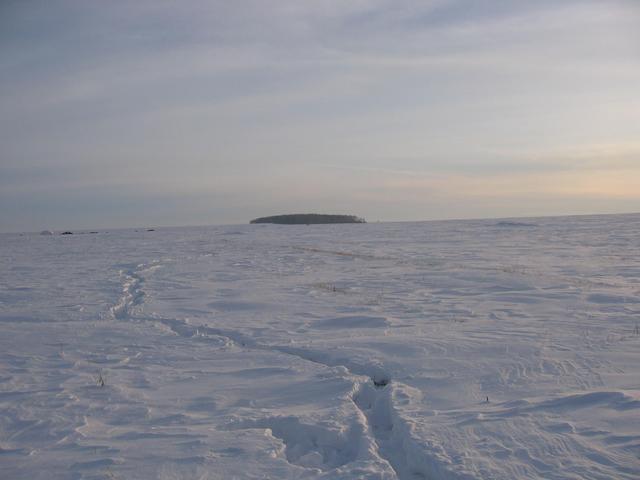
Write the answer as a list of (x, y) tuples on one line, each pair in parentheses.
[(239, 223)]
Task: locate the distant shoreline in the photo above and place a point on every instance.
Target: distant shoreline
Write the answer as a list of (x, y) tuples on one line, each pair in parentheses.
[(114, 228)]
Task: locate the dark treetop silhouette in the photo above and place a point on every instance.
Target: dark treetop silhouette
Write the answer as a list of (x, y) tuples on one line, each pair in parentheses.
[(308, 218)]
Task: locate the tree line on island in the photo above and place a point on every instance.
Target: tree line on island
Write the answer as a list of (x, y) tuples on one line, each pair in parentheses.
[(308, 219)]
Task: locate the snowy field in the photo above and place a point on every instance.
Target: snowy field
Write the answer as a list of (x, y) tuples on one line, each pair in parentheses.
[(439, 350)]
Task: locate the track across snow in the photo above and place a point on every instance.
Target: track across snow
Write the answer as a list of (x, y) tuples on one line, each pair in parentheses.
[(436, 350)]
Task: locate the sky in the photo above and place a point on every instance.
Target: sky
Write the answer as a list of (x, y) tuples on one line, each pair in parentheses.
[(156, 112)]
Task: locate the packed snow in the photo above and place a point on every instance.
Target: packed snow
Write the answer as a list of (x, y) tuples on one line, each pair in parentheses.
[(432, 350)]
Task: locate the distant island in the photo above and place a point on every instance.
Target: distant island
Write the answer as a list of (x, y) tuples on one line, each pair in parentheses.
[(308, 219)]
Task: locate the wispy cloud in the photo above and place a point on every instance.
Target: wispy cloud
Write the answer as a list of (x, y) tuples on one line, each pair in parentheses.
[(272, 103)]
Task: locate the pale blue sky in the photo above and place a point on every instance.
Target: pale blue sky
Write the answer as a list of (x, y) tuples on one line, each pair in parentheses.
[(155, 112)]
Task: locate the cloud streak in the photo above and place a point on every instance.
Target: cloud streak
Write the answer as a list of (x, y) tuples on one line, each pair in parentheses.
[(322, 104)]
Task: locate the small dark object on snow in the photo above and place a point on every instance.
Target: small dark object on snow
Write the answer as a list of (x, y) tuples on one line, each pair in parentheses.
[(380, 382), (151, 229), (67, 233)]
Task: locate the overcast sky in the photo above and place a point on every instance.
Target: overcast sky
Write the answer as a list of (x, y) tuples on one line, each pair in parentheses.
[(132, 113)]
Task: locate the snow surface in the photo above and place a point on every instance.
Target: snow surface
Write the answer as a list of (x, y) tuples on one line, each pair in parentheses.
[(333, 351)]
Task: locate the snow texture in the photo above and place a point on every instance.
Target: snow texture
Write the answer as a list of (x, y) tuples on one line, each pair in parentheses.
[(436, 350)]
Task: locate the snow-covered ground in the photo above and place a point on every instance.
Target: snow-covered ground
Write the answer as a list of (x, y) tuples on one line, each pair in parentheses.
[(439, 350)]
